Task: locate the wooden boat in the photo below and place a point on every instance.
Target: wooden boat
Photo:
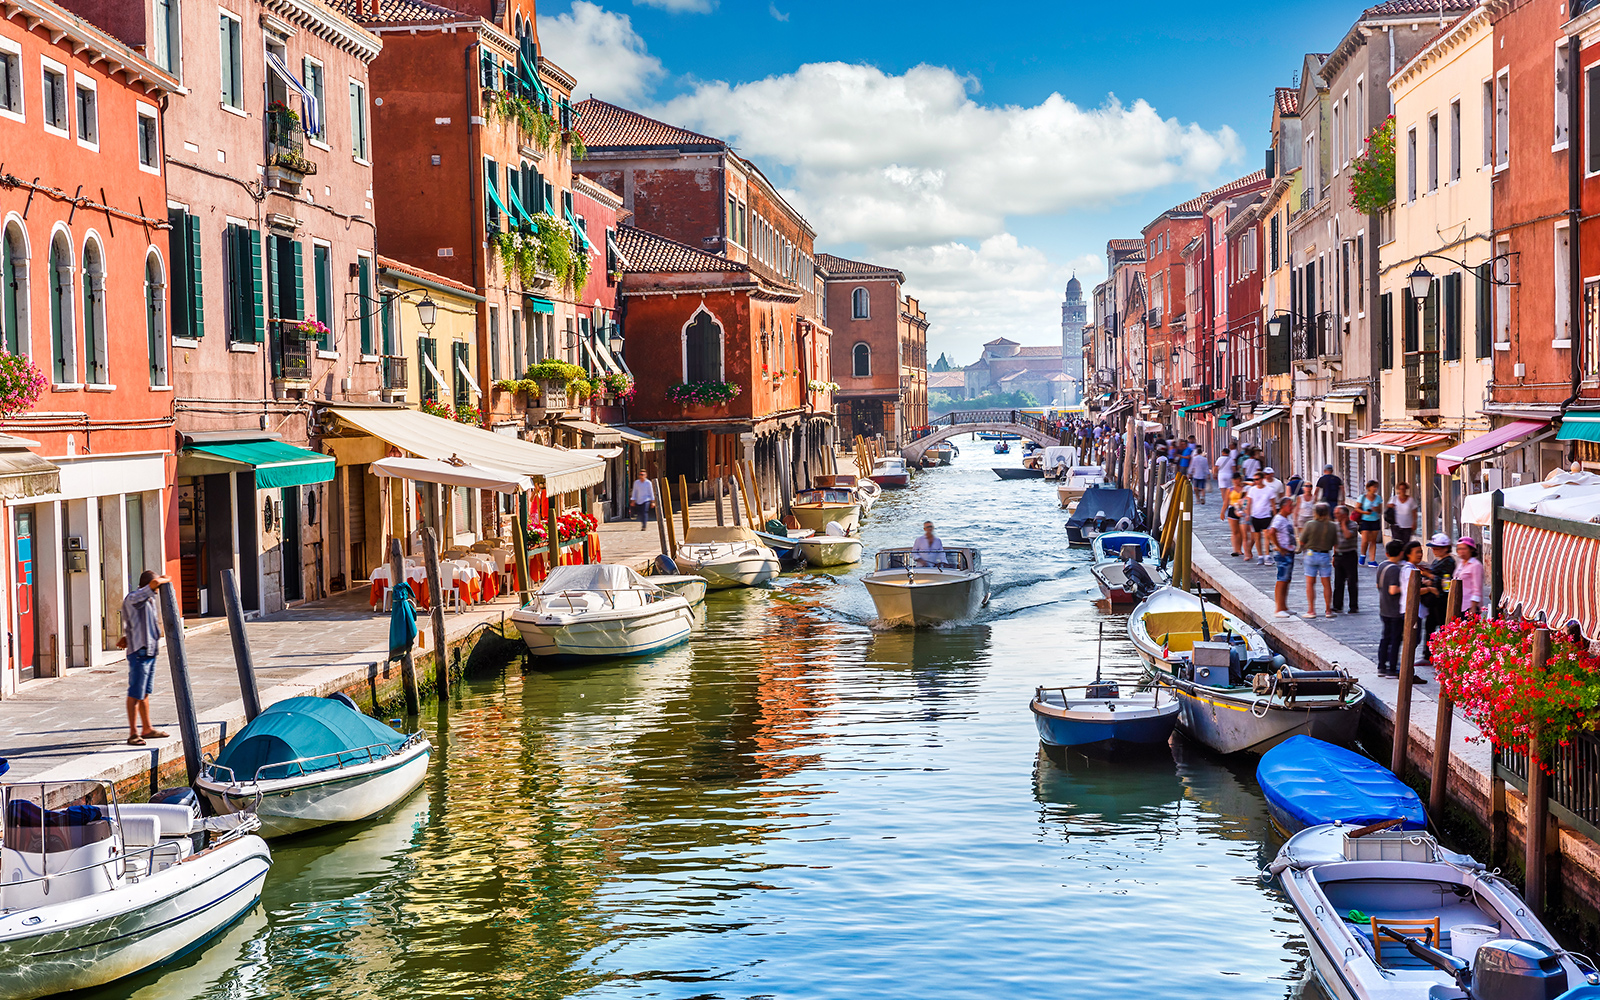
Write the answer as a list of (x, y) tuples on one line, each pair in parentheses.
[(867, 494), (816, 509), (1390, 915), (1308, 783), (832, 548), (1019, 473), (1097, 715), (1111, 552), (891, 473), (727, 557), (927, 589), (1235, 694), (309, 762), (601, 612), (97, 890)]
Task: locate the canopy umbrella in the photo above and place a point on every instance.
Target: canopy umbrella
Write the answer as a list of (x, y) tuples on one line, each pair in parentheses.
[(1538, 498), (451, 473)]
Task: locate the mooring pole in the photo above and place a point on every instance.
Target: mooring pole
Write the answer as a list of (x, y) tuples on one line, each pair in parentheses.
[(436, 584), (1402, 704), (1441, 725), (1536, 830), (178, 660), (243, 661)]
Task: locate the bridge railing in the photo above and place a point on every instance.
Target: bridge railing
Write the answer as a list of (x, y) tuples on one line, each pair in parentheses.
[(957, 418)]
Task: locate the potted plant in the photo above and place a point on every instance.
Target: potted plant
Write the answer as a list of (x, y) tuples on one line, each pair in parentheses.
[(705, 395), (21, 384)]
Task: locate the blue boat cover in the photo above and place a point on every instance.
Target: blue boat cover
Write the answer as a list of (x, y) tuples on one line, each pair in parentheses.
[(1109, 500), (1316, 782), (298, 728)]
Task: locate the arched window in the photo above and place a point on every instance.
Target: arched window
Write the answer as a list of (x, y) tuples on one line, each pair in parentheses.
[(861, 359), (861, 304), (155, 317), (96, 359), (702, 348), (63, 353), (13, 289)]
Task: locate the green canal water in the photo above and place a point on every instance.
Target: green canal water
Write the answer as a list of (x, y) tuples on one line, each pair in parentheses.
[(794, 805)]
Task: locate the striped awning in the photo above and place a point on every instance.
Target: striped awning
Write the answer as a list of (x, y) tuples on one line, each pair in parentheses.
[(1554, 574)]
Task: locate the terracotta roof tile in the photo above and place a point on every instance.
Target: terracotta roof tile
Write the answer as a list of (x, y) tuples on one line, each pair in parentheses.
[(393, 264), (1125, 244), (1001, 340), (647, 253), (844, 265), (947, 380), (1039, 351), (1248, 180), (606, 126), (1420, 8), (1287, 101), (397, 11)]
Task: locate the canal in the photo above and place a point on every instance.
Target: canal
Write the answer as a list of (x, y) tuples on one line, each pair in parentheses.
[(794, 805)]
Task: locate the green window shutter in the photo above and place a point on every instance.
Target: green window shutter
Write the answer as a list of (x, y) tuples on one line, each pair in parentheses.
[(322, 267), (364, 289), (491, 212), (274, 282), (235, 251), (258, 311), (299, 280), (197, 299), (384, 329)]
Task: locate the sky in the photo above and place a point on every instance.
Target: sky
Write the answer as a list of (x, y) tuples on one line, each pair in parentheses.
[(987, 150)]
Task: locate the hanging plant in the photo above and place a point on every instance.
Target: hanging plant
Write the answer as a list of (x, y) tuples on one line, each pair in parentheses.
[(1373, 181), (305, 329), (620, 385), (21, 384), (469, 415), (575, 146), (536, 126), (816, 386), (702, 393)]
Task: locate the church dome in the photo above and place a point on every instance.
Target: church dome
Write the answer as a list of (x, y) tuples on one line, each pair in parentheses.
[(1074, 288)]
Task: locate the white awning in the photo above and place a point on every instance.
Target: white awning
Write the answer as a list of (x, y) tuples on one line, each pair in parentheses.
[(461, 366), (428, 470), (427, 436), (433, 370), (1257, 421)]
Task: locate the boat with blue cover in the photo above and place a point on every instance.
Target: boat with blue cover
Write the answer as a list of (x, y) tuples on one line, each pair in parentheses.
[(309, 762), (1112, 553), (1308, 782), (1101, 509)]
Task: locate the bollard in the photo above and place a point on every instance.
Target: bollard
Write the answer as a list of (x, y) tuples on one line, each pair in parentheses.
[(243, 661), (1441, 727), (178, 660)]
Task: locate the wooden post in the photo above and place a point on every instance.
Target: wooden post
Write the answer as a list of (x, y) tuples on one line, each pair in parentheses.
[(553, 536), (661, 522), (243, 661), (178, 661), (1497, 538), (1441, 726), (720, 484), (741, 491), (430, 560), (1499, 819), (756, 498), (408, 667), (519, 538), (683, 498), (733, 500), (1536, 816), (1408, 649), (664, 496)]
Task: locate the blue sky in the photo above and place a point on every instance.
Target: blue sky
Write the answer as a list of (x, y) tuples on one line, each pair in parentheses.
[(977, 147)]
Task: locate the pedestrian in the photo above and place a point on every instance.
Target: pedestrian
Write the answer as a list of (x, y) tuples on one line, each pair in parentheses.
[(1330, 488), (1305, 506), (1318, 538), (1233, 511), (1469, 575), (1224, 471), (1371, 524), (1411, 566), (1345, 546), (1436, 577), (1251, 465), (1401, 512), (1284, 547), (643, 498), (1199, 472), (1391, 611), (1261, 499), (141, 637)]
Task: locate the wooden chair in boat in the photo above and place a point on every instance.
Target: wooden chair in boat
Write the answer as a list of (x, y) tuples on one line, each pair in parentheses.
[(1427, 930)]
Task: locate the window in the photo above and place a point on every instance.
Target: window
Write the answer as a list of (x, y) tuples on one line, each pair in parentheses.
[(458, 374), (232, 56), (86, 105), (13, 291), (491, 196), (1592, 75), (861, 304), (733, 219), (358, 122), (246, 299), (155, 318), (1563, 98), (11, 79), (166, 35), (186, 301), (1455, 140), (1338, 137), (1411, 165), (286, 278), (63, 353), (1484, 317), (1277, 261), (861, 361), (1502, 302), (149, 141), (494, 341), (322, 289), (1451, 347), (1589, 357), (1386, 329), (96, 358), (1502, 120), (427, 364), (1361, 274), (54, 94), (1488, 123), (1563, 285), (702, 348), (313, 77), (1433, 154), (364, 295), (1344, 272)]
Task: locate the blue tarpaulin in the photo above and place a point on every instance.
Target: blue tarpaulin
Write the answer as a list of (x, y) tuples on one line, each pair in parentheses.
[(402, 620), (298, 728), (1310, 782), (1114, 503)]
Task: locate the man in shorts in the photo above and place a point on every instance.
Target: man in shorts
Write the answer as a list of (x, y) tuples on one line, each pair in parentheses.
[(1284, 546), (141, 637), (1261, 499), (1317, 540)]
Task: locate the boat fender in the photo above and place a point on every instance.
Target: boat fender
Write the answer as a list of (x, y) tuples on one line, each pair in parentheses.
[(345, 700)]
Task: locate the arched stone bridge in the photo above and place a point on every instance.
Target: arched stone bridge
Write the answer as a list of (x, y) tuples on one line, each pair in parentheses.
[(956, 422)]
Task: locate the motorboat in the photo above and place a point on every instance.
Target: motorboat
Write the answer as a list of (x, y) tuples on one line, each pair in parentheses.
[(96, 890), (928, 588), (831, 548), (689, 587), (782, 542), (728, 557), (942, 453), (1389, 914), (891, 472), (601, 611), (307, 762), (1077, 481), (1099, 715), (1102, 509), (1114, 555), (1235, 694), (816, 509), (867, 494), (1059, 461), (1019, 472), (1308, 783), (998, 436), (1002, 448)]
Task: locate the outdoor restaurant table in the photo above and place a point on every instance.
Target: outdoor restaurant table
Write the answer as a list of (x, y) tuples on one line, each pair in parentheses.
[(415, 575)]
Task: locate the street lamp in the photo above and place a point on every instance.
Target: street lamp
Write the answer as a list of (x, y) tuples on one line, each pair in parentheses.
[(1421, 280), (1222, 343), (1277, 324), (427, 312)]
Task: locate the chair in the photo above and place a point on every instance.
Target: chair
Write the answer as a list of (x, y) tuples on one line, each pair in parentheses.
[(1427, 930)]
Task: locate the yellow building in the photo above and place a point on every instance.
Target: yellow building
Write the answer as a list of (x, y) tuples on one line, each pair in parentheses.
[(429, 326), (1437, 350)]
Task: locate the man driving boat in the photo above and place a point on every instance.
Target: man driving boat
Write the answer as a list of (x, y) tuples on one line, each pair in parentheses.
[(928, 549)]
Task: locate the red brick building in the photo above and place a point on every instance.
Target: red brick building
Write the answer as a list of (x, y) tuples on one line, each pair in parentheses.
[(86, 264), (1168, 319), (863, 301), (1581, 425)]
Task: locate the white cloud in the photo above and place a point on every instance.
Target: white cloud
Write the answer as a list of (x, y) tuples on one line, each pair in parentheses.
[(602, 51), (680, 6), (914, 159), (777, 15)]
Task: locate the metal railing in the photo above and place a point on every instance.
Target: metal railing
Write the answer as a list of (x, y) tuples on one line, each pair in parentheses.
[(1422, 380), (294, 360), (395, 372), (356, 755), (286, 146), (965, 560), (571, 596), (956, 418)]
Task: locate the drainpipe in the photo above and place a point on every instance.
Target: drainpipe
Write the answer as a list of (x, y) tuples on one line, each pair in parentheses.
[(481, 321), (1574, 219)]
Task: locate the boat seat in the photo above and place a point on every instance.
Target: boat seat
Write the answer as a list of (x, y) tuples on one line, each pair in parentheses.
[(139, 832), (1396, 956), (572, 600)]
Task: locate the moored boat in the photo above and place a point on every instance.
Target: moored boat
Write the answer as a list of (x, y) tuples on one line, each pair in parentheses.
[(308, 762), (926, 588), (1098, 715), (1020, 472), (601, 612), (1077, 481), (831, 548), (1111, 553), (728, 557), (1307, 782), (891, 472), (867, 494), (690, 587), (96, 890), (816, 509), (1234, 694), (942, 453), (1102, 509)]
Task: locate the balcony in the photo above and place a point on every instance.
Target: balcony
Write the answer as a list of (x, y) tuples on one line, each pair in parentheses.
[(292, 379), (1422, 382), (287, 165), (396, 376)]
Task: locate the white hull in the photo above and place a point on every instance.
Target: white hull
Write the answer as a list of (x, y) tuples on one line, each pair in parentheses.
[(826, 551), (817, 518), (337, 795), (625, 632), (93, 940), (745, 566), (691, 588), (927, 597)]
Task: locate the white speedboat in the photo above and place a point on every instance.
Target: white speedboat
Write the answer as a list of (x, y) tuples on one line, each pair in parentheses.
[(310, 762), (1112, 552), (831, 548), (891, 472), (867, 494), (95, 890), (728, 557), (927, 588), (816, 509), (690, 587), (1076, 482), (601, 611), (1390, 915)]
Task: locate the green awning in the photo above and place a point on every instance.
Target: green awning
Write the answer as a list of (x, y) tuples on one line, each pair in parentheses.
[(539, 305), (516, 203), (1580, 426), (573, 220), (495, 195), (276, 464), (1210, 404)]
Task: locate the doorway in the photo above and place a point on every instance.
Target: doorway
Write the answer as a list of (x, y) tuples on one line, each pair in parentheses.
[(293, 582), (27, 617)]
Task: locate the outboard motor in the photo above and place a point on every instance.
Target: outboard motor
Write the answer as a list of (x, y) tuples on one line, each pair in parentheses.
[(665, 566), (1514, 969), (1139, 585)]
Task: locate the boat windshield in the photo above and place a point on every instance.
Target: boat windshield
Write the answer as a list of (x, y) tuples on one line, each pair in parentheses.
[(960, 559), (595, 576), (824, 496), (56, 816)]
